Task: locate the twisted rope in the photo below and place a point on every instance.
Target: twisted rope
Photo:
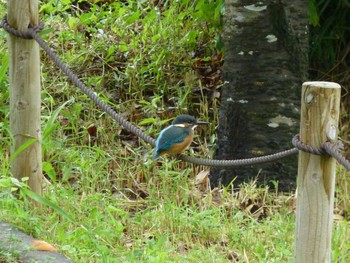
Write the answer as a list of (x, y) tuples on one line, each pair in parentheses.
[(33, 33), (239, 162), (132, 128)]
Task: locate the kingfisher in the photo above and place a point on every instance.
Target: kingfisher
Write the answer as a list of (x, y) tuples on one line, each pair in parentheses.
[(178, 136)]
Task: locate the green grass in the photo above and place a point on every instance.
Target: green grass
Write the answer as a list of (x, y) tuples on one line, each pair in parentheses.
[(7, 257), (146, 61), (175, 223)]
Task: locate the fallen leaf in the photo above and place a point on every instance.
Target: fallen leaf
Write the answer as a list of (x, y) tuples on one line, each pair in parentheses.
[(92, 130), (337, 217), (42, 245), (202, 180)]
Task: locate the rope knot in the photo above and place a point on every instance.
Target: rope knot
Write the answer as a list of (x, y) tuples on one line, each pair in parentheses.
[(327, 149), (25, 35)]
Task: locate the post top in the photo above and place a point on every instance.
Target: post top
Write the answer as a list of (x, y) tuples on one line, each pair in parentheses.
[(322, 84)]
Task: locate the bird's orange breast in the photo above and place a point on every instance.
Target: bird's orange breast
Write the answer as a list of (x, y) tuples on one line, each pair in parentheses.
[(179, 147)]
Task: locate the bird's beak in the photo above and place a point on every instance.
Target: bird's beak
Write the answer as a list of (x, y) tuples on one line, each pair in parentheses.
[(202, 123)]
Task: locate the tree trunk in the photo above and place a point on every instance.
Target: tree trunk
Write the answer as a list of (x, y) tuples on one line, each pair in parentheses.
[(266, 61)]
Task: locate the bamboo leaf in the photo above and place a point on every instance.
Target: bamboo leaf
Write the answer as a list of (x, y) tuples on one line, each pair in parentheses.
[(50, 126), (21, 148), (4, 66)]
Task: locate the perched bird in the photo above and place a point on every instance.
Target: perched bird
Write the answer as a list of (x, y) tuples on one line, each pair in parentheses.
[(178, 136)]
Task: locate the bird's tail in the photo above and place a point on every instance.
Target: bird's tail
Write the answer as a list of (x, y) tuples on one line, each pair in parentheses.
[(156, 155)]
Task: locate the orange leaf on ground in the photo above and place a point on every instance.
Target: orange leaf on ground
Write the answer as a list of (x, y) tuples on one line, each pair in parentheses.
[(42, 245)]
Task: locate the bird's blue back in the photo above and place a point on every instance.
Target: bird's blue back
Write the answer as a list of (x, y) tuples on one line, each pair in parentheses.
[(170, 136)]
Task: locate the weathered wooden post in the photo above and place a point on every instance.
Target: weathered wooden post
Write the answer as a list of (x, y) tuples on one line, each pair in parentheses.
[(316, 174), (24, 74)]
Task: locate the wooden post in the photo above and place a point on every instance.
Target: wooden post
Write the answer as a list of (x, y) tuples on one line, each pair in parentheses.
[(24, 74), (316, 174)]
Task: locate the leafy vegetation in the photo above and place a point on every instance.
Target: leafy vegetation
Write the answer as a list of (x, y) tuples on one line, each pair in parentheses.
[(150, 61), (329, 34)]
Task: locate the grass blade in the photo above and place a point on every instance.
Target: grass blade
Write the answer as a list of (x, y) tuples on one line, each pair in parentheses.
[(46, 202)]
